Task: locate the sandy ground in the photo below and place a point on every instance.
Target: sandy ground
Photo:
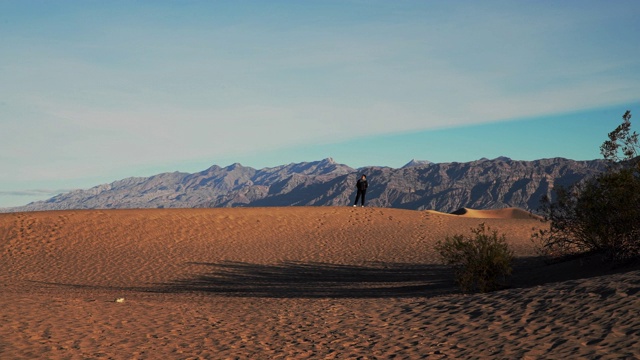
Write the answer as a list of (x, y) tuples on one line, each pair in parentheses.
[(296, 282)]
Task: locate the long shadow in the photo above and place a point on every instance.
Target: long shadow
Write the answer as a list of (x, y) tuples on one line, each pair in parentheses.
[(535, 270), (318, 280), (377, 280)]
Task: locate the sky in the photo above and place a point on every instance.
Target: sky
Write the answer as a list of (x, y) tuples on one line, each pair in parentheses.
[(96, 91)]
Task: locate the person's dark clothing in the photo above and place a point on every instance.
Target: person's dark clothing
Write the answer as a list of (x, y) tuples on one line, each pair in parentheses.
[(361, 185)]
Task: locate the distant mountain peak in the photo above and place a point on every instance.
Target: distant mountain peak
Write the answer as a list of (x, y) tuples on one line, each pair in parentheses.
[(499, 158), (233, 166), (414, 163), (328, 161)]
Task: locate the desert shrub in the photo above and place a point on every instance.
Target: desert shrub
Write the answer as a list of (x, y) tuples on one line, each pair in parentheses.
[(481, 261), (602, 214)]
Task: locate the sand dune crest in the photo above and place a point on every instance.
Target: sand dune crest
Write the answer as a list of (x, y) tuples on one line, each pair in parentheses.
[(506, 213)]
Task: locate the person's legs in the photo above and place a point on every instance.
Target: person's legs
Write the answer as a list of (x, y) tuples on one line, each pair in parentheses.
[(357, 198), (364, 192)]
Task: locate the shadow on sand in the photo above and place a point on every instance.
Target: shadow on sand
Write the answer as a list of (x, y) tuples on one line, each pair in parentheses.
[(377, 280), (536, 271), (318, 280)]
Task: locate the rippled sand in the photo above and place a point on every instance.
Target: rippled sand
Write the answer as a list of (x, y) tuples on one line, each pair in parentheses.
[(295, 282)]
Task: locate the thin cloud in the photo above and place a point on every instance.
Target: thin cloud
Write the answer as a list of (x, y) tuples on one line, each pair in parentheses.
[(130, 89), (34, 192)]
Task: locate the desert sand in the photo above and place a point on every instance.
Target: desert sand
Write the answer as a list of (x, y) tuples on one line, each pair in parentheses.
[(295, 282), (506, 213)]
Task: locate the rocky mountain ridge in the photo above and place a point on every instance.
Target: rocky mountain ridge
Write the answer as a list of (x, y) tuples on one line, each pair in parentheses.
[(419, 185)]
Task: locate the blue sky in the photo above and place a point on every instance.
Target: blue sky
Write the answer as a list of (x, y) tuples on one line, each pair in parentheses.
[(95, 91)]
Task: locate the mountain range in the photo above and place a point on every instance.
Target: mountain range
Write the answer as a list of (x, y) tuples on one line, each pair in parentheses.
[(419, 185)]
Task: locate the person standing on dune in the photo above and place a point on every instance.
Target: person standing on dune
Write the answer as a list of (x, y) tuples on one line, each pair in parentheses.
[(361, 187)]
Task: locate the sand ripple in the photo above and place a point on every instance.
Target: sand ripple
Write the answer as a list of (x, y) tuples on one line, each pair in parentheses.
[(279, 283)]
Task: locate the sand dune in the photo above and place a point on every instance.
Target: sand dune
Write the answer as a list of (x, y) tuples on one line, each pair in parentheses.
[(310, 282), (506, 213)]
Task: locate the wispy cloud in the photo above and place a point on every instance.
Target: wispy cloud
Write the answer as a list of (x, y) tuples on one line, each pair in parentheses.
[(34, 192), (214, 80)]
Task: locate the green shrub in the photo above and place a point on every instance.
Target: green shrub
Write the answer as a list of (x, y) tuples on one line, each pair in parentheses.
[(602, 214), (481, 262)]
